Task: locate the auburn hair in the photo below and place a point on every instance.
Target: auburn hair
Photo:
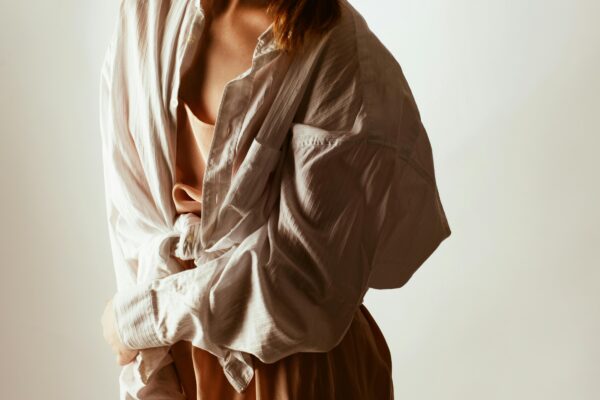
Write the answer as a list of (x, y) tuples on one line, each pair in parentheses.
[(293, 20)]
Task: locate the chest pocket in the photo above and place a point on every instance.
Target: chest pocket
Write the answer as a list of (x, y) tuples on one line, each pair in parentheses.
[(255, 185)]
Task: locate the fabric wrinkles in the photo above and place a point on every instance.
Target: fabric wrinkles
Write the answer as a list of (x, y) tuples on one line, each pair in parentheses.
[(288, 245)]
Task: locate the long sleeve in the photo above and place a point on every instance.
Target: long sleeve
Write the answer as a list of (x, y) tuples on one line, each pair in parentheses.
[(138, 232), (294, 284), (141, 233)]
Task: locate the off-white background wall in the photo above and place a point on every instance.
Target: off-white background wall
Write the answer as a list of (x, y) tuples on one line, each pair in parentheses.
[(507, 308)]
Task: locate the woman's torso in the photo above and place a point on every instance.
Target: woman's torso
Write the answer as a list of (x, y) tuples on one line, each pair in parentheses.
[(360, 366)]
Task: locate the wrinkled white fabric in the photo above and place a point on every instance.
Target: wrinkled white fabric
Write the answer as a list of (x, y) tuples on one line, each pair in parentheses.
[(286, 247)]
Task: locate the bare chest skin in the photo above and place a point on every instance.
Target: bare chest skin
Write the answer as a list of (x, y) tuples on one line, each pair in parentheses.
[(224, 51)]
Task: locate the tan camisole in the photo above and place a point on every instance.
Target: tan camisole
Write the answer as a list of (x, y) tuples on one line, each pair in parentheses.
[(193, 143)]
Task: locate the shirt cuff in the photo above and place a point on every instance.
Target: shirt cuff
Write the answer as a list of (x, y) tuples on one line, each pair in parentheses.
[(134, 310)]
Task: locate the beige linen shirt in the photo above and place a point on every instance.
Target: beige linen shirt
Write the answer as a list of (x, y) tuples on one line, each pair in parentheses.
[(290, 238)]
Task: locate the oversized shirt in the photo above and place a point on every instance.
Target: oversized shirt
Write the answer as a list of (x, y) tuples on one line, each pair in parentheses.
[(290, 237)]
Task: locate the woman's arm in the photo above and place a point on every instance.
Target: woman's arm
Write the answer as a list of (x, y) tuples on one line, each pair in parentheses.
[(294, 284), (137, 231)]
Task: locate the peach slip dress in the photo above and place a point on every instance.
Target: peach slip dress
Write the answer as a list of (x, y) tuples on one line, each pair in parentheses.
[(358, 368)]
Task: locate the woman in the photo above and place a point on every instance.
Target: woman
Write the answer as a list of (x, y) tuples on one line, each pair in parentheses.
[(242, 260)]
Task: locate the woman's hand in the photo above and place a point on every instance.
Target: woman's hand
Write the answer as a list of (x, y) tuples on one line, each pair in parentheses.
[(124, 354)]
